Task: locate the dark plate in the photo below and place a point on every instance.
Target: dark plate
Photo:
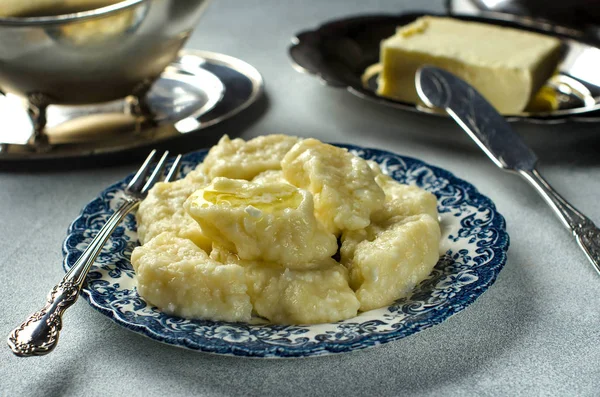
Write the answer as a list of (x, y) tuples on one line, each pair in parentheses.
[(339, 52)]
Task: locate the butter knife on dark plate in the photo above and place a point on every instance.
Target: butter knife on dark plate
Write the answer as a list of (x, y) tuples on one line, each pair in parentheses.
[(441, 89)]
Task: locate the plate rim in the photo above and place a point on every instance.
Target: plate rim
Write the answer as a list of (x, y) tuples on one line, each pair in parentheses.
[(324, 347)]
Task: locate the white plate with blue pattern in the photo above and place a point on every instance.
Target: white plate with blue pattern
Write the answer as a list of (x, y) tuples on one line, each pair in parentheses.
[(473, 247)]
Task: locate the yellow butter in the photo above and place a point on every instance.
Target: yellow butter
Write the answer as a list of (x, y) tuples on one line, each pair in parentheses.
[(507, 66)]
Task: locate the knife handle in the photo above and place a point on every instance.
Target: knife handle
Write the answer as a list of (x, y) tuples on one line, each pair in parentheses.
[(585, 231)]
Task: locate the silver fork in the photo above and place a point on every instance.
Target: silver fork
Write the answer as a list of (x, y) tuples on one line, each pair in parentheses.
[(38, 335)]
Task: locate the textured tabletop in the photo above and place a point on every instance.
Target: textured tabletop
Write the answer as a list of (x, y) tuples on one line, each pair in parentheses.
[(536, 331)]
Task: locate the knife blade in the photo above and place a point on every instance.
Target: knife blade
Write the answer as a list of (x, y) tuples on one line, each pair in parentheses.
[(439, 88)]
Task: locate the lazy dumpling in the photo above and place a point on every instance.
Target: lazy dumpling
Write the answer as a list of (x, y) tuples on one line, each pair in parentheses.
[(239, 159), (271, 222), (404, 200), (343, 185), (162, 211), (388, 259), (315, 295), (179, 278), (398, 249)]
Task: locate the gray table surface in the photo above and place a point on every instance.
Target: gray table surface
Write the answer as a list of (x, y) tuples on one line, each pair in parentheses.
[(536, 331)]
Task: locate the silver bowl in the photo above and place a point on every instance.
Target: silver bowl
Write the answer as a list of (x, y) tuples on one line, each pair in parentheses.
[(97, 55)]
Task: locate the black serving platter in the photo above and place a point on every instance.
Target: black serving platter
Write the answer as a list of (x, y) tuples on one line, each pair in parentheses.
[(339, 51)]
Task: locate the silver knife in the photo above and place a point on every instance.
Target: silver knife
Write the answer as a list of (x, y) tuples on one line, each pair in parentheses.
[(441, 89)]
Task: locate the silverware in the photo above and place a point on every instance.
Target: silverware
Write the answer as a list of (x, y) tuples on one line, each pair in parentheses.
[(38, 335), (440, 89), (96, 55), (92, 56)]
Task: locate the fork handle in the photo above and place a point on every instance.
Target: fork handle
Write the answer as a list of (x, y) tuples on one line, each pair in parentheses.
[(38, 335), (585, 231)]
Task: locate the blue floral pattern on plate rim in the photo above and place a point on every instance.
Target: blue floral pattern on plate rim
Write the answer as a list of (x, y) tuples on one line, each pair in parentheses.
[(473, 247)]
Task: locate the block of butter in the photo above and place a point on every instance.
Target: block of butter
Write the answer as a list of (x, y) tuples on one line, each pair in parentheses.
[(508, 66)]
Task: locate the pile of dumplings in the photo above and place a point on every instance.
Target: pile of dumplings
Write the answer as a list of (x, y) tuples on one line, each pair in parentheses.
[(254, 229)]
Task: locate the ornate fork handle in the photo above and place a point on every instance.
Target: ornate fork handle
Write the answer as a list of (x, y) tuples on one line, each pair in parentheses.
[(38, 335), (585, 231)]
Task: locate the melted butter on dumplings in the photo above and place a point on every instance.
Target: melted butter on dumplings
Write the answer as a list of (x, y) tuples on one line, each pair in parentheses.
[(271, 222)]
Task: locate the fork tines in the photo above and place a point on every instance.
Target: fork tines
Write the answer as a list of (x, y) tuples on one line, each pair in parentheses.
[(139, 183)]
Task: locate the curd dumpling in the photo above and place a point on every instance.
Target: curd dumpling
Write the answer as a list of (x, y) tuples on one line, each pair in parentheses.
[(238, 159), (271, 222), (388, 259), (286, 296), (374, 167), (343, 185), (269, 176), (179, 278), (162, 211), (404, 200)]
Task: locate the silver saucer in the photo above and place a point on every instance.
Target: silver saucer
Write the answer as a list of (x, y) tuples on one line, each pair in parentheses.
[(198, 90)]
